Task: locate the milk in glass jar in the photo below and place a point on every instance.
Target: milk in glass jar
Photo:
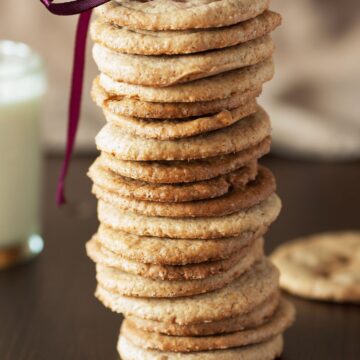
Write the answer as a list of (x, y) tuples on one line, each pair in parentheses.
[(22, 85)]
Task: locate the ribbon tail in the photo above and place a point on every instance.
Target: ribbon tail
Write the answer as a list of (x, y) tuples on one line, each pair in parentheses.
[(75, 99)]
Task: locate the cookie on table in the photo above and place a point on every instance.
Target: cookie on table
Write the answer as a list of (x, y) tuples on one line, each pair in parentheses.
[(267, 350), (323, 266), (187, 267), (175, 15), (251, 219), (171, 172), (159, 71), (282, 318), (140, 190), (124, 40), (216, 87), (241, 296)]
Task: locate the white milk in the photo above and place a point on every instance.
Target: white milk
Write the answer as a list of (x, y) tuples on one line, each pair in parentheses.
[(22, 84)]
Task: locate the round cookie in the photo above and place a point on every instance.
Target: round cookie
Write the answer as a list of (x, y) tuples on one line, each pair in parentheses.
[(167, 251), (323, 266), (170, 172), (216, 87), (239, 297), (127, 284), (277, 324), (252, 219), (238, 198), (158, 71), (134, 107), (175, 15), (143, 42), (258, 316), (237, 137), (268, 350), (170, 129), (101, 255), (140, 190)]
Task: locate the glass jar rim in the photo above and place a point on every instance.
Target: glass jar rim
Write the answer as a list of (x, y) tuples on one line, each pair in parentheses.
[(22, 75), (17, 59)]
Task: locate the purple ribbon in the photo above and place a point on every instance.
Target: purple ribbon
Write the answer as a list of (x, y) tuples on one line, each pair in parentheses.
[(84, 8)]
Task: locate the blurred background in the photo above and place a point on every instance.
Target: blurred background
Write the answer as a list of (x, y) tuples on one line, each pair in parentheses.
[(314, 100)]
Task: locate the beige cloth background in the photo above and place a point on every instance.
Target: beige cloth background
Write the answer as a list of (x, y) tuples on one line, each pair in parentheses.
[(314, 99)]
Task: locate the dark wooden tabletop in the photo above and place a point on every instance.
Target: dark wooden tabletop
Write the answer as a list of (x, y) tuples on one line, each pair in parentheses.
[(47, 308)]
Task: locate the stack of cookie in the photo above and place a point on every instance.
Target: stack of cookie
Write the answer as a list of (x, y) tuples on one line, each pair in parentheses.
[(183, 204)]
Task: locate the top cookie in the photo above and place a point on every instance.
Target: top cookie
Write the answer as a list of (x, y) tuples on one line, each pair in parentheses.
[(142, 42), (180, 15)]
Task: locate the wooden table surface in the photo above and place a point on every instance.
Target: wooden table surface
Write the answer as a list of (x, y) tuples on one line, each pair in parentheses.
[(47, 308)]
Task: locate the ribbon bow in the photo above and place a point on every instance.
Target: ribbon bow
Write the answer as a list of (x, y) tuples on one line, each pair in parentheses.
[(84, 8)]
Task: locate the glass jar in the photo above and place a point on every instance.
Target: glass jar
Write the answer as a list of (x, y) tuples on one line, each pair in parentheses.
[(22, 85)]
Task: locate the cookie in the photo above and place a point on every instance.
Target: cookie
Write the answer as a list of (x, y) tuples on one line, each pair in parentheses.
[(167, 251), (216, 87), (277, 324), (268, 350), (140, 190), (174, 15), (142, 42), (158, 71), (127, 284), (133, 107), (241, 296), (170, 172), (258, 316), (238, 198), (252, 219), (170, 129), (323, 266), (237, 137), (101, 255)]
